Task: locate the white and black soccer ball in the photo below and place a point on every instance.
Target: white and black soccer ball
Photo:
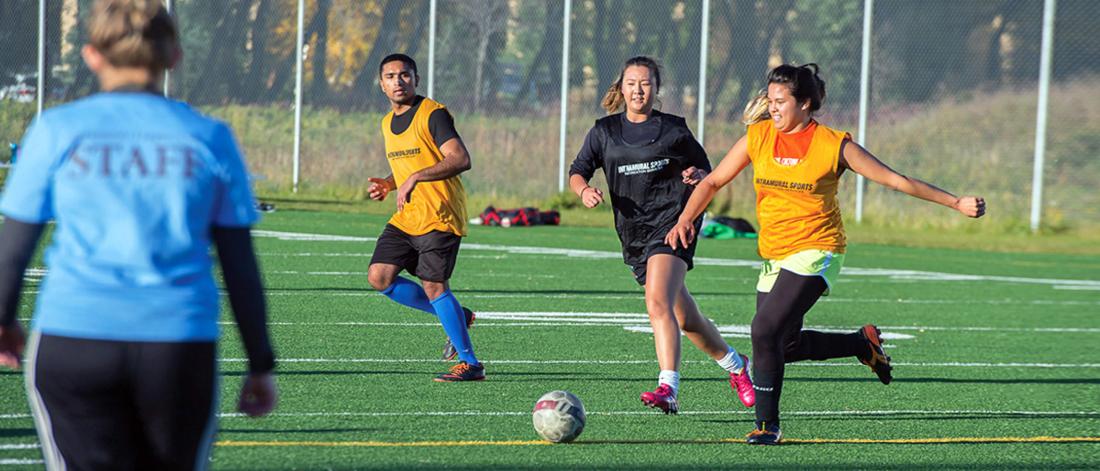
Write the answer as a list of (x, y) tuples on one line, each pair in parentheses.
[(558, 416)]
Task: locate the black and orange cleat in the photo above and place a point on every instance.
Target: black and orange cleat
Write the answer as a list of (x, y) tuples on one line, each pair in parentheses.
[(449, 351), (876, 357), (764, 434), (462, 371)]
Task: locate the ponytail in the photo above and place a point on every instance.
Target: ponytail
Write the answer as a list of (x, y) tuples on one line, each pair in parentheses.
[(757, 109), (613, 99)]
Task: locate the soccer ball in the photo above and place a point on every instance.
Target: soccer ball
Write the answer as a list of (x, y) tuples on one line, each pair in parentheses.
[(558, 416)]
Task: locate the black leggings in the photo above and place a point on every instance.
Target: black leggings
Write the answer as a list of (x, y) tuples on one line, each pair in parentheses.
[(102, 404), (778, 338)]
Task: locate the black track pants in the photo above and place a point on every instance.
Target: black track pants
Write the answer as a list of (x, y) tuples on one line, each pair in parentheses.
[(115, 405)]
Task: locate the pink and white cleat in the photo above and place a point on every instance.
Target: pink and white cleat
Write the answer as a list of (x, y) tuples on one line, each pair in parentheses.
[(662, 398), (742, 384)]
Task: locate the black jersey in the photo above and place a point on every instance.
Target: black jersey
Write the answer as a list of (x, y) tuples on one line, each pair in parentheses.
[(643, 173)]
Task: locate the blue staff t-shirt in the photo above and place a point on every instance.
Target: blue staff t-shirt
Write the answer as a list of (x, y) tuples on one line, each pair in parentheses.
[(134, 182)]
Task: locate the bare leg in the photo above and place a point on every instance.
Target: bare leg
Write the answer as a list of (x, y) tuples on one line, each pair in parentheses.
[(699, 330), (381, 275), (664, 279)]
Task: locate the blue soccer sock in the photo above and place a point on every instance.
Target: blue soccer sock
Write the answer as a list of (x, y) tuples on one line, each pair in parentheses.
[(410, 294), (454, 324)]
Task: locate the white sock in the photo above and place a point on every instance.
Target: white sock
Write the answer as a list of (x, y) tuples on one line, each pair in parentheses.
[(732, 362), (671, 378)]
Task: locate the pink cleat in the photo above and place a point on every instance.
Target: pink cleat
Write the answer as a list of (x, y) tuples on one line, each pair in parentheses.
[(743, 384), (662, 398)]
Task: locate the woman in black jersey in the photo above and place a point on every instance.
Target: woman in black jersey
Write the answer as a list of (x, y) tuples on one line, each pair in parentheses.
[(651, 162)]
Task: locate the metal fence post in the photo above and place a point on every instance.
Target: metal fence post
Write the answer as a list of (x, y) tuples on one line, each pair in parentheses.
[(431, 48), (298, 94), (864, 96), (704, 42), (41, 55), (1041, 113), (168, 72), (564, 92)]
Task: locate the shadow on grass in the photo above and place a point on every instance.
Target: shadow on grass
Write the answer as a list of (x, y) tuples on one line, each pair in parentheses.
[(281, 431), (872, 379), (856, 416), (17, 432), (531, 292), (533, 375), (342, 372), (727, 465), (950, 380)]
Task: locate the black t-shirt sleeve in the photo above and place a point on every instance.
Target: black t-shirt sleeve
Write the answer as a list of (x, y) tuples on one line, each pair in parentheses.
[(246, 294), (17, 243), (590, 157), (442, 126), (693, 152)]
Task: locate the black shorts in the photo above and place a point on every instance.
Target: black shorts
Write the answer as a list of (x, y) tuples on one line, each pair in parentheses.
[(638, 254), (101, 404), (430, 257)]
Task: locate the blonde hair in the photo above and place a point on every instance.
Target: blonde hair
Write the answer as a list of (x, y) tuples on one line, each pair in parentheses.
[(613, 100), (134, 33), (757, 109)]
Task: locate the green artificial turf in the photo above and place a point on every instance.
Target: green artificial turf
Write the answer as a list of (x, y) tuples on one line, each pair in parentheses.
[(1004, 354)]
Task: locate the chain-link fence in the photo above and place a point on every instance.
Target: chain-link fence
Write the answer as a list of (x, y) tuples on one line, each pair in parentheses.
[(954, 87)]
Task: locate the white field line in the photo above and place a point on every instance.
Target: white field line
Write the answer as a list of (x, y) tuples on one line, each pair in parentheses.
[(311, 237), (808, 413), (566, 320), (744, 331), (19, 446), (637, 322), (363, 273), (640, 296), (650, 361), (820, 413), (19, 461), (436, 324), (603, 254)]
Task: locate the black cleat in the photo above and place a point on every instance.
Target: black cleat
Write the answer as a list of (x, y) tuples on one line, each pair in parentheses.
[(764, 434), (877, 358), (462, 371), (449, 351)]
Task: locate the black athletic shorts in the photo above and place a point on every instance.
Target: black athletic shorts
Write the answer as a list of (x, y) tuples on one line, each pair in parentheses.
[(102, 404), (430, 257), (639, 255)]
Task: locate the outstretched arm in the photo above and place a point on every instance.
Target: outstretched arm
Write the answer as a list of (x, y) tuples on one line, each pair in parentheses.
[(861, 161), (732, 164)]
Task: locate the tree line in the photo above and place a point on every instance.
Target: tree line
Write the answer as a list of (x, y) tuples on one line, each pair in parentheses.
[(505, 54)]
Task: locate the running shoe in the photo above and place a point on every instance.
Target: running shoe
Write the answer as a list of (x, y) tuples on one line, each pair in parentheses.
[(462, 371), (662, 398), (742, 384), (764, 434), (449, 350), (877, 358)]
